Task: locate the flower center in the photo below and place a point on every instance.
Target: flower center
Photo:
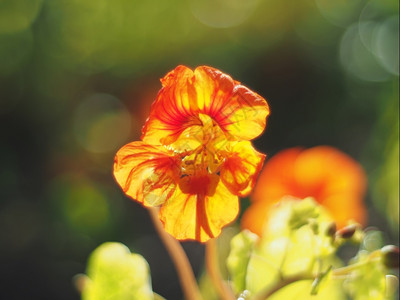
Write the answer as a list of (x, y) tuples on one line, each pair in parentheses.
[(200, 172)]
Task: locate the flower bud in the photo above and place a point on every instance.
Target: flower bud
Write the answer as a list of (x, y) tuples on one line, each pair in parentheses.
[(331, 229), (347, 232), (390, 256)]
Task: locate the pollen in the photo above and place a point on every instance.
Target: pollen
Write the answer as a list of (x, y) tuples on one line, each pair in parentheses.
[(200, 172)]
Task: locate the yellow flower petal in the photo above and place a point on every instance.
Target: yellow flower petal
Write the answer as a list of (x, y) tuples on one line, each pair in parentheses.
[(146, 173), (240, 112), (245, 116), (241, 167), (199, 217), (173, 110)]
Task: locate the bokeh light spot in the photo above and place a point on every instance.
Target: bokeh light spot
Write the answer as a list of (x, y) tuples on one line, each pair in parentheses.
[(81, 203), (222, 13), (86, 207), (102, 123), (378, 9), (339, 12), (356, 59), (387, 45), (373, 240), (368, 32), (314, 29), (382, 39)]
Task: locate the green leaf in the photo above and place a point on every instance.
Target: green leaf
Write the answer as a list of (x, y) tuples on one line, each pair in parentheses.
[(329, 290), (302, 213), (114, 273), (294, 241), (369, 280), (237, 262)]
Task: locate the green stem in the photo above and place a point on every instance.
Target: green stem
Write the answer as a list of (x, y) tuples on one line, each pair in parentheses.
[(264, 294), (185, 273), (350, 268)]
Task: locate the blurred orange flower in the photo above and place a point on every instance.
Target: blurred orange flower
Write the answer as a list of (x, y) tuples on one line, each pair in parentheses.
[(195, 157), (328, 175)]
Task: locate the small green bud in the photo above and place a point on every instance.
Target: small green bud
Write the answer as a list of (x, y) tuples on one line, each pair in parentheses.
[(390, 256)]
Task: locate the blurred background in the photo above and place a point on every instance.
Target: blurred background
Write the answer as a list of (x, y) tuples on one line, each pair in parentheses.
[(77, 79)]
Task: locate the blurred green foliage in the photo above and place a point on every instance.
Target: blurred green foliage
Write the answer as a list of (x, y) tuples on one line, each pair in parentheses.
[(291, 262), (77, 79), (256, 264), (81, 203), (242, 246), (116, 273), (371, 280)]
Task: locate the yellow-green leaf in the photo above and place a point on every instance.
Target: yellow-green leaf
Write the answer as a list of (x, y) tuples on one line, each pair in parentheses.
[(114, 273), (239, 257)]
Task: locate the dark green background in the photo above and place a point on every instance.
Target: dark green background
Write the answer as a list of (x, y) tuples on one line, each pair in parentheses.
[(76, 82)]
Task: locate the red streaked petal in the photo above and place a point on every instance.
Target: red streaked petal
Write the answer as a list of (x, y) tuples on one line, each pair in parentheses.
[(221, 209), (213, 90), (239, 112), (146, 173), (199, 217), (244, 114), (174, 108), (241, 167)]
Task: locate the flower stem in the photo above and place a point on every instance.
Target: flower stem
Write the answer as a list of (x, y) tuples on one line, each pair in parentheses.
[(212, 265), (264, 294), (346, 270), (185, 273)]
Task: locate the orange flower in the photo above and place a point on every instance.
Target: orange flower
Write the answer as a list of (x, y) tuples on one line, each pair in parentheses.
[(195, 157), (331, 177), (239, 112)]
